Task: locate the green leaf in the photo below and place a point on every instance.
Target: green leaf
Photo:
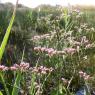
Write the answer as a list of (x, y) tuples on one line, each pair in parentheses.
[(5, 39), (1, 93)]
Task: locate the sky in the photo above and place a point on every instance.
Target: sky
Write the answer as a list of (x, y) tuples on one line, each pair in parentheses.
[(35, 3)]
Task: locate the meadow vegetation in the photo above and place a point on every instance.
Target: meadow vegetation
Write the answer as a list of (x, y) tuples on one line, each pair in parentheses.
[(48, 50)]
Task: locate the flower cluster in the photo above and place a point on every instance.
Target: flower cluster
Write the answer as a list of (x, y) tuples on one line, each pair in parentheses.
[(76, 43), (41, 37), (51, 51), (84, 26), (84, 42), (22, 66), (70, 50), (3, 68), (88, 46), (84, 75), (42, 70)]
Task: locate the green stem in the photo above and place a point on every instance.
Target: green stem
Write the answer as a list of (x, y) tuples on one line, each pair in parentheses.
[(17, 84), (45, 80), (5, 87), (32, 91)]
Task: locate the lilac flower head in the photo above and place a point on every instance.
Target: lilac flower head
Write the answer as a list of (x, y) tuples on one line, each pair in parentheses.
[(88, 46), (50, 51), (36, 37), (84, 75), (42, 70), (87, 77), (77, 43), (70, 50), (24, 65), (41, 37), (43, 49), (84, 40), (37, 48), (65, 81), (13, 68), (16, 66), (3, 68)]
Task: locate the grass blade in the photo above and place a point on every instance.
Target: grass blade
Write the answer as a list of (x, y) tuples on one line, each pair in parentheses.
[(5, 87), (1, 93), (5, 39), (17, 84)]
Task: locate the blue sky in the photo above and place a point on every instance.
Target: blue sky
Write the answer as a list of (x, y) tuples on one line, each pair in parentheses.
[(34, 3)]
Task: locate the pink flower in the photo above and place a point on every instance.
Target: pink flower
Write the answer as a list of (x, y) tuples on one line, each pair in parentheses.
[(37, 48), (13, 68), (49, 50), (84, 75), (16, 65), (36, 37), (51, 69), (41, 37), (42, 70), (84, 40), (65, 81), (43, 49), (77, 43), (88, 46), (87, 77), (24, 65), (81, 73), (70, 50), (3, 68)]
